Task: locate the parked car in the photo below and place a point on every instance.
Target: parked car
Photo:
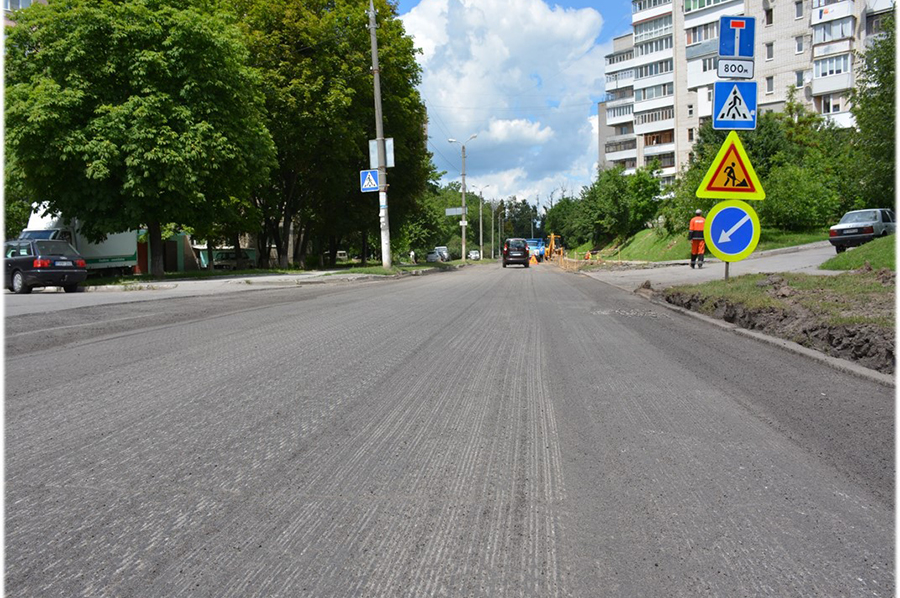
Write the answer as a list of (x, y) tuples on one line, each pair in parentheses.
[(860, 226), (43, 263), (515, 251), (433, 256), (474, 255), (443, 252)]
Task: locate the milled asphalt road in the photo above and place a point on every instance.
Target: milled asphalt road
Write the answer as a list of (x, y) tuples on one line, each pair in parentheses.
[(485, 432)]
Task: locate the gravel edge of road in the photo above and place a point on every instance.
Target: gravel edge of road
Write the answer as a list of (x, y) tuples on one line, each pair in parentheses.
[(834, 362)]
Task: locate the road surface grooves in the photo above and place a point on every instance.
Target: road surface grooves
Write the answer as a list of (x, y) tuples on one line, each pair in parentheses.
[(488, 432)]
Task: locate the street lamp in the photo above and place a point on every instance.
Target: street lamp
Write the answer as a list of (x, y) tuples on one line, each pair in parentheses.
[(480, 228), (464, 215)]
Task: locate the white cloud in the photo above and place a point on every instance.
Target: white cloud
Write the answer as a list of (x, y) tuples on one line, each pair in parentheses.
[(525, 77)]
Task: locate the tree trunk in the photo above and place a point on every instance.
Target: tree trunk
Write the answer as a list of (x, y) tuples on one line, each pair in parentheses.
[(238, 262), (304, 243), (365, 248), (210, 245), (157, 267)]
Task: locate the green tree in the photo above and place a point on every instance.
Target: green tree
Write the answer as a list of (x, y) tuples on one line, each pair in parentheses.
[(315, 59), (874, 110), (122, 114)]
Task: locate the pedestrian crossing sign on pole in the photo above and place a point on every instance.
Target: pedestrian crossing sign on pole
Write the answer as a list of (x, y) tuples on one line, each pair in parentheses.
[(731, 175), (734, 105), (368, 180)]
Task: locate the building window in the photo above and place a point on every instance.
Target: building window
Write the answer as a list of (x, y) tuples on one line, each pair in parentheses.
[(618, 111), (799, 75), (621, 146), (769, 18), (651, 29), (653, 69), (659, 138), (798, 42), (690, 134), (709, 64), (798, 10), (709, 94), (690, 110), (701, 33), (770, 51), (834, 30), (652, 116), (10, 5), (657, 45), (831, 103), (639, 5), (623, 130), (621, 57), (874, 24), (692, 5), (653, 92), (770, 84), (833, 65), (665, 160)]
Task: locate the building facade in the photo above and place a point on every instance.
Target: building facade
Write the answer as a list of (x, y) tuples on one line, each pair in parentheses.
[(659, 77)]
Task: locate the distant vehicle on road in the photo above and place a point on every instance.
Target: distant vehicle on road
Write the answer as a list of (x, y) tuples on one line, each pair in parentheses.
[(515, 251), (474, 255), (443, 252), (341, 256), (42, 263), (536, 248), (433, 256), (117, 254), (224, 259), (861, 226)]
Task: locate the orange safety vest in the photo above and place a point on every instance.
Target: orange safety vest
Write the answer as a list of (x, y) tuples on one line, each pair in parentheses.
[(696, 228)]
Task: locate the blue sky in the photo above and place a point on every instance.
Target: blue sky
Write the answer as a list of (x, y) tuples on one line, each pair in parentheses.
[(525, 77)]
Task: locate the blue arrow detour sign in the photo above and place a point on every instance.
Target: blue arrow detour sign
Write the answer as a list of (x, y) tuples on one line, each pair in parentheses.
[(732, 230)]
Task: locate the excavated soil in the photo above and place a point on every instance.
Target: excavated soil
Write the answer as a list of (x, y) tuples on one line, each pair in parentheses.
[(869, 345)]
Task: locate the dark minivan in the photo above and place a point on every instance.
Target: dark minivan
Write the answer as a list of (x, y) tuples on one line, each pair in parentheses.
[(42, 263), (515, 251)]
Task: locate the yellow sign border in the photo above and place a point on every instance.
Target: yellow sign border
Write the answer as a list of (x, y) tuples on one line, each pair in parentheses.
[(703, 190), (754, 240)]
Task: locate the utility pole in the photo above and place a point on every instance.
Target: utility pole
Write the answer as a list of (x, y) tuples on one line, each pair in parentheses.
[(464, 214), (379, 141)]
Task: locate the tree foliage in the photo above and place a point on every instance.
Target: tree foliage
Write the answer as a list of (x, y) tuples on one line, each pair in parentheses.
[(874, 110), (122, 114)]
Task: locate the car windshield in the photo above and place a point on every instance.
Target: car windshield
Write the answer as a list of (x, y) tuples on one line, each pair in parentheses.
[(516, 244), (56, 248), (37, 234), (866, 216)]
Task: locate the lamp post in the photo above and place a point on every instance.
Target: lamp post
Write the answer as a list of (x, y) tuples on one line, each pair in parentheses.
[(480, 227), (464, 215)]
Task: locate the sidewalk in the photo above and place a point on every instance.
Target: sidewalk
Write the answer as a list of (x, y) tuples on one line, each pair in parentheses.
[(804, 258)]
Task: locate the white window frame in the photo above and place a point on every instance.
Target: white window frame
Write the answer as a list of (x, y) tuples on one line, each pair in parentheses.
[(770, 51), (798, 44), (770, 84), (798, 6)]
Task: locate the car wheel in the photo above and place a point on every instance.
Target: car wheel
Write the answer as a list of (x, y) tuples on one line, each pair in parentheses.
[(70, 288), (18, 284), (840, 248), (504, 264), (526, 264)]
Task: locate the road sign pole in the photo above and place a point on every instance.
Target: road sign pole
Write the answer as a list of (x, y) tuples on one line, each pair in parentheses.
[(727, 264), (379, 139)]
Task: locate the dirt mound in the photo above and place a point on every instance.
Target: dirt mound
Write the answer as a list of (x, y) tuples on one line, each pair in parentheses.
[(870, 346)]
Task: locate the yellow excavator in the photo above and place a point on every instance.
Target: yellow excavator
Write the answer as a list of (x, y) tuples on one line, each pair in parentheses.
[(553, 247)]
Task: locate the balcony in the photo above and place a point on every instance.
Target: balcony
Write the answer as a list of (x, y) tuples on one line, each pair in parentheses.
[(662, 148), (620, 101), (622, 155), (832, 83), (832, 12), (843, 120)]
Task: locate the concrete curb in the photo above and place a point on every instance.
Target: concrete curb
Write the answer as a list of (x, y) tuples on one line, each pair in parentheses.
[(839, 364)]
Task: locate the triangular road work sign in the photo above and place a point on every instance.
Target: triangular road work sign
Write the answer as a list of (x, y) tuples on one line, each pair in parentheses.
[(731, 175)]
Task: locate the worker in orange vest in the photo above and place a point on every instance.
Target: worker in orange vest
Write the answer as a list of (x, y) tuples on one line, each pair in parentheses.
[(698, 245)]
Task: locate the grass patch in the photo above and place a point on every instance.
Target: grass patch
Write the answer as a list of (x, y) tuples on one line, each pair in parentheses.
[(648, 246), (880, 253), (845, 299)]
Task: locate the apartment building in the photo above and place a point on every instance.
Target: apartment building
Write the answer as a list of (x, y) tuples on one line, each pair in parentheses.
[(659, 77)]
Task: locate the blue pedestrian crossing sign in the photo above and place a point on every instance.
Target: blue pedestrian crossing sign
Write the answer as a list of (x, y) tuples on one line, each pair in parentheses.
[(734, 105), (368, 180), (732, 230), (736, 37)]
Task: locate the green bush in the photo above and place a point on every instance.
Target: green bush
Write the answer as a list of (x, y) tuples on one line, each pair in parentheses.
[(798, 198)]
